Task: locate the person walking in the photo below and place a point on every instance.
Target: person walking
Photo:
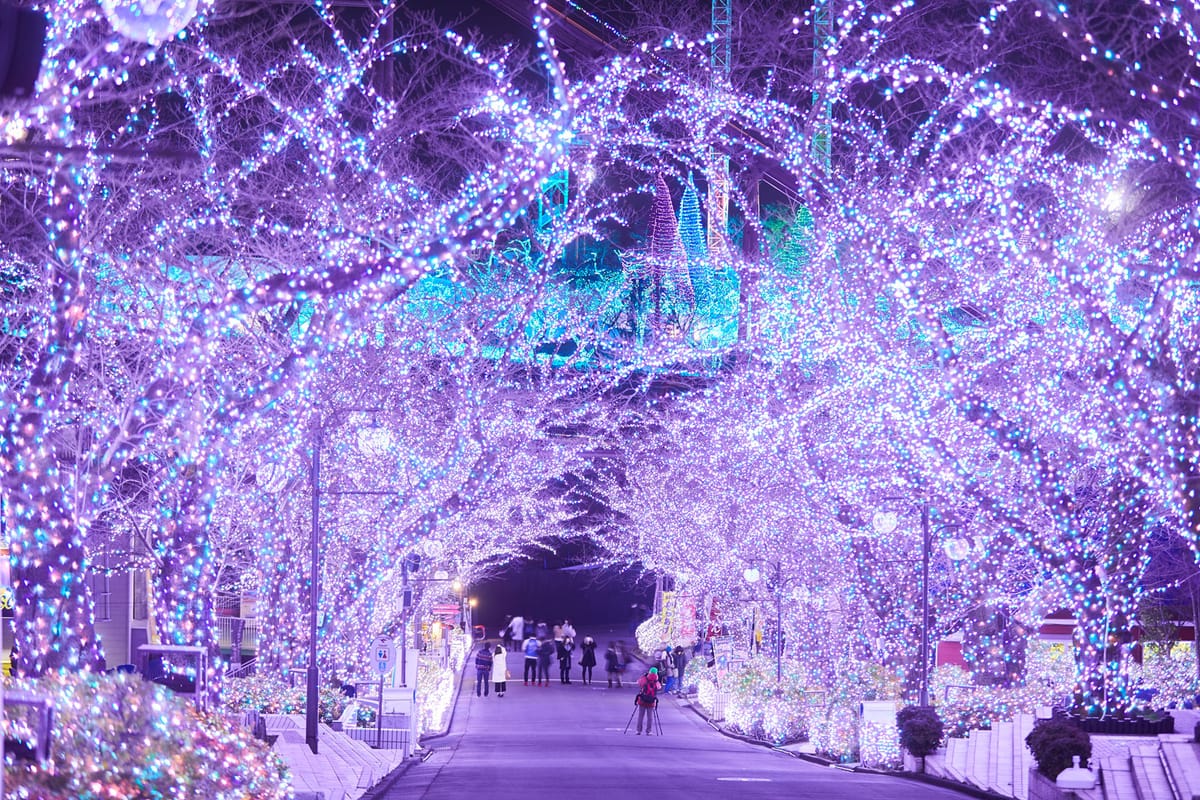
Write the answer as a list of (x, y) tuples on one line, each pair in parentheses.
[(588, 660), (568, 629), (545, 655), (531, 647), (542, 631), (500, 670), (565, 648), (647, 700), (506, 637), (612, 665), (483, 669)]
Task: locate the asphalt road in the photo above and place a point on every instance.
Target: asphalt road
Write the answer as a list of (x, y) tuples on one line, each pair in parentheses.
[(569, 741)]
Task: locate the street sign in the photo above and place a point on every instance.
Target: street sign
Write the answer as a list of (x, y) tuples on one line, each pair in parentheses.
[(383, 655), (445, 609)]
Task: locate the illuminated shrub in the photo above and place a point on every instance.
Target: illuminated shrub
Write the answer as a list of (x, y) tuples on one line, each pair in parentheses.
[(1053, 742), (120, 736)]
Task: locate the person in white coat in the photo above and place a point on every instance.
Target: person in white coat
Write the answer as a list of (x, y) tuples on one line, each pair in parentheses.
[(500, 670)]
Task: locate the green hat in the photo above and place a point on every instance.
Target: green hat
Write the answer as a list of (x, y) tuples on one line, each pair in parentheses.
[(654, 670)]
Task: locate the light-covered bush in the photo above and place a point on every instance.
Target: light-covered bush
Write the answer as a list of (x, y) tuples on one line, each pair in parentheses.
[(119, 736)]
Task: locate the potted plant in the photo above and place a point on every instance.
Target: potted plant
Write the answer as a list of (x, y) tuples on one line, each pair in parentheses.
[(1054, 741), (920, 730)]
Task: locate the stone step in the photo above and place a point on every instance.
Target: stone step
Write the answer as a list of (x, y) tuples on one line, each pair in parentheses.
[(1022, 758), (1117, 778), (956, 759), (978, 766), (936, 764), (1183, 767), (1000, 764), (361, 769), (1149, 775)]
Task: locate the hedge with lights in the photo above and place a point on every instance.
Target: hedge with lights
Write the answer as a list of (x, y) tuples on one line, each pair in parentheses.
[(117, 736)]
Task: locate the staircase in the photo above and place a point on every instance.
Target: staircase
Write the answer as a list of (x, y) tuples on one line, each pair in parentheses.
[(343, 768), (997, 760)]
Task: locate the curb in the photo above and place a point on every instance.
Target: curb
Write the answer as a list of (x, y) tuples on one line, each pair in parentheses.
[(916, 777), (462, 676), (933, 780), (809, 757), (385, 784)]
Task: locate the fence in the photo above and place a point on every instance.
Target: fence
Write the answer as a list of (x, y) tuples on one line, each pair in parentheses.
[(249, 635), (386, 739)]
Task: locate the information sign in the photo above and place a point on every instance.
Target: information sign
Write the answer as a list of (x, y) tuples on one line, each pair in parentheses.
[(383, 655)]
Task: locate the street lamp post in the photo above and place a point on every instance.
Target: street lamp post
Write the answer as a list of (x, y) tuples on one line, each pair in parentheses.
[(751, 574), (310, 704), (312, 682), (885, 522)]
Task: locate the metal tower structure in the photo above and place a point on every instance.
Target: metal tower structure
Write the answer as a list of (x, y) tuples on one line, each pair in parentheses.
[(822, 139), (718, 166)]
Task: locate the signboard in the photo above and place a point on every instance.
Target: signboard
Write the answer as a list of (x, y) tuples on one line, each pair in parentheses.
[(881, 711), (383, 655), (445, 609), (723, 653), (687, 619)]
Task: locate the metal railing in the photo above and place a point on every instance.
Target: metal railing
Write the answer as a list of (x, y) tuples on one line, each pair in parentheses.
[(225, 631), (243, 670)]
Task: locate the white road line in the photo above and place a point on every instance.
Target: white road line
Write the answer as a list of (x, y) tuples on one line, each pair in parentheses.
[(746, 780)]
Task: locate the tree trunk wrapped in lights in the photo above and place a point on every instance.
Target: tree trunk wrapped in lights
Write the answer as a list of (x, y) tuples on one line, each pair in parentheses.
[(183, 582)]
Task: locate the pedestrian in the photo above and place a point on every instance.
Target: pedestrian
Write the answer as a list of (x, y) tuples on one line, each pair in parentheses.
[(500, 670), (662, 659), (483, 669), (622, 656), (568, 629), (588, 659), (647, 700), (558, 633), (506, 636), (545, 655), (527, 627), (565, 648), (516, 627), (530, 647), (541, 631), (680, 658), (612, 665)]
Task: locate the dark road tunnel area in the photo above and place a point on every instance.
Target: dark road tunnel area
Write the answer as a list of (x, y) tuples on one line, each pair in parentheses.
[(547, 590)]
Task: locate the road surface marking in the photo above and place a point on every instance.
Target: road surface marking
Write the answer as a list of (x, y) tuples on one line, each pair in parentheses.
[(746, 780)]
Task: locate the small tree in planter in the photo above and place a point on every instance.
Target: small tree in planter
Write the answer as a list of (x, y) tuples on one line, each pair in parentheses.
[(1053, 742), (920, 730)]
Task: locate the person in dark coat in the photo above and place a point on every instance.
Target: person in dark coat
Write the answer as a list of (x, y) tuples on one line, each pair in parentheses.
[(588, 659), (566, 646), (483, 669), (545, 654), (612, 665), (680, 658)]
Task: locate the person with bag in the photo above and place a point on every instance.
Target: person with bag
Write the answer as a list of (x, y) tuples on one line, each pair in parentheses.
[(647, 700), (500, 670), (483, 669)]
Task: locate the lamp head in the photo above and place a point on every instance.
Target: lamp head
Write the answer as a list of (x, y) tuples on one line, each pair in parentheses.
[(884, 522)]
